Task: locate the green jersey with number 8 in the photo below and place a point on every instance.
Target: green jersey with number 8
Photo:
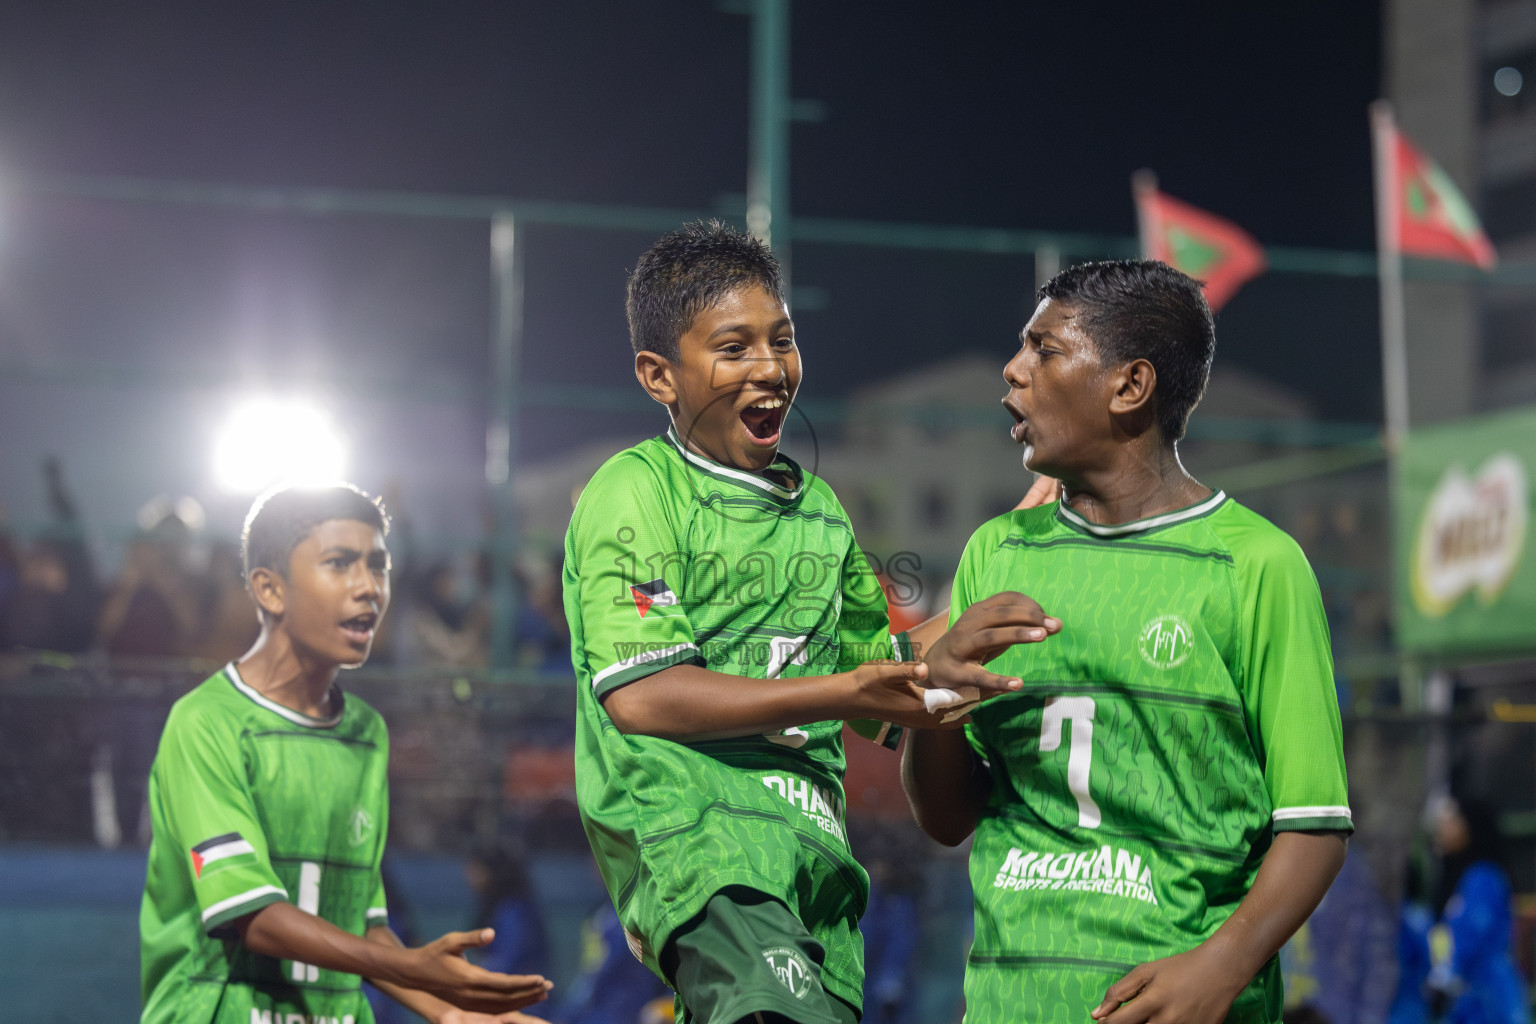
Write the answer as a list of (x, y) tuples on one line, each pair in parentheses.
[(673, 559), (1183, 715)]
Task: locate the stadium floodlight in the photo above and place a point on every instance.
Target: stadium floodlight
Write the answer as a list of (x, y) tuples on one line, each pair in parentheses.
[(268, 440)]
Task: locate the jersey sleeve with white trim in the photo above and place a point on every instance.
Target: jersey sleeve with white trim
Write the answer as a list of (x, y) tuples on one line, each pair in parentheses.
[(624, 552), (377, 914), (210, 813), (1287, 678)]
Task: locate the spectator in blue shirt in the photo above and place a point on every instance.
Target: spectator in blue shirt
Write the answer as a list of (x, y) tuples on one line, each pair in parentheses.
[(1455, 951)]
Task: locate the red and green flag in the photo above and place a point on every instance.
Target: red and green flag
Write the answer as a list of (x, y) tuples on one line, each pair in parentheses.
[(1430, 217), (1211, 249)]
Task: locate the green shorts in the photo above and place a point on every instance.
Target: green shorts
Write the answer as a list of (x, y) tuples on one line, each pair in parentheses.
[(748, 954)]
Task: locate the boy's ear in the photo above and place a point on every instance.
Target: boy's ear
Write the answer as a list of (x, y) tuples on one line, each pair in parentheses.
[(654, 373), (267, 590), (1134, 386)]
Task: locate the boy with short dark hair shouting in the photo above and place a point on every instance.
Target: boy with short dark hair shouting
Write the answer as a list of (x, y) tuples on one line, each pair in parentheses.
[(722, 621), (269, 802)]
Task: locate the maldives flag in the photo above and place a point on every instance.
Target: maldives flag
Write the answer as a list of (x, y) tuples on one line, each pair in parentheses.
[(1428, 216), (1211, 249)]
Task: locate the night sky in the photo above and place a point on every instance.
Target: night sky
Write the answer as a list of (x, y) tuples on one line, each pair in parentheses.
[(991, 115)]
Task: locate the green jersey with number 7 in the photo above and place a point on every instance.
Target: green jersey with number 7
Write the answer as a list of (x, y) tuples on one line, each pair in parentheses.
[(1185, 713)]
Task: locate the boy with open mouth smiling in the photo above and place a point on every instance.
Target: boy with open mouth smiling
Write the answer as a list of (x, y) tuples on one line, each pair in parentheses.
[(724, 623)]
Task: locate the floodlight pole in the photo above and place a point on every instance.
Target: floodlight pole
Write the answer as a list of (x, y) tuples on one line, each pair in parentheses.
[(768, 169), (501, 431)]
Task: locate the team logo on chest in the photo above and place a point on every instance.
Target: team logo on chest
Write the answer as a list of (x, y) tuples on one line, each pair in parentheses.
[(1166, 641), (360, 827)]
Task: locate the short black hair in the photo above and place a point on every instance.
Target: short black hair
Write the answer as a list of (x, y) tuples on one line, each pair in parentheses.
[(686, 272), (1145, 309), (280, 519)]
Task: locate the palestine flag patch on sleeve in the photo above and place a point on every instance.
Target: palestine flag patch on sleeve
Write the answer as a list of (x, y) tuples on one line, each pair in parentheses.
[(652, 594), (230, 844)]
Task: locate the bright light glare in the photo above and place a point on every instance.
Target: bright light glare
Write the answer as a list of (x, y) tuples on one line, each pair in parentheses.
[(1508, 81), (271, 440)]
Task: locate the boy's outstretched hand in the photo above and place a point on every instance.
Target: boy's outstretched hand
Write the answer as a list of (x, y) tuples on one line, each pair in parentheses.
[(957, 660), (893, 692), (439, 967), (431, 979)]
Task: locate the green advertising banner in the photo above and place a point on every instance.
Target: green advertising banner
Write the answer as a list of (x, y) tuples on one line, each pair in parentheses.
[(1466, 578)]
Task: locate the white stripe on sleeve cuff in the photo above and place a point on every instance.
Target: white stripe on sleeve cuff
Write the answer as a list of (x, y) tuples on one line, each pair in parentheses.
[(1292, 813), (640, 658), (235, 901)]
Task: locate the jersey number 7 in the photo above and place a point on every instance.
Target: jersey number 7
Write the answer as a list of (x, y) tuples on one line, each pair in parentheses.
[(1079, 711)]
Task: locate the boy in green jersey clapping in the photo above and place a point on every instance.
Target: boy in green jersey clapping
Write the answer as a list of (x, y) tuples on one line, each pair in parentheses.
[(724, 623), (269, 801), (1163, 802)]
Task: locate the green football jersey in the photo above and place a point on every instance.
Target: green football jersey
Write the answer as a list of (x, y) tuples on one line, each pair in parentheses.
[(1184, 714), (674, 559), (252, 803)]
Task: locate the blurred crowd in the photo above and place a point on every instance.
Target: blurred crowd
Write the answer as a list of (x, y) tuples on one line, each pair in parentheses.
[(180, 594)]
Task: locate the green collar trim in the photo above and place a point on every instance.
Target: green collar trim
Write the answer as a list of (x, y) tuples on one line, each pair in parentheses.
[(783, 464), (1183, 515)]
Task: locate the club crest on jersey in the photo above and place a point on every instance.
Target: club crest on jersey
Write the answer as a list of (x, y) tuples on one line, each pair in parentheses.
[(360, 827), (230, 844), (1166, 641), (791, 968), (653, 594)]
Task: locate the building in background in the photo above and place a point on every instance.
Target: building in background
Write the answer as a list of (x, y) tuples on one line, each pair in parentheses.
[(1461, 75), (1504, 89)]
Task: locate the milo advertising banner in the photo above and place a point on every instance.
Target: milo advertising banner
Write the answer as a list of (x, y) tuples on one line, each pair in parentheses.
[(1466, 580)]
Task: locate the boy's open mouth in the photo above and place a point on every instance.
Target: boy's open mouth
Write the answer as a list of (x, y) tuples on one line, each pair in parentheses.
[(359, 628), (765, 417)]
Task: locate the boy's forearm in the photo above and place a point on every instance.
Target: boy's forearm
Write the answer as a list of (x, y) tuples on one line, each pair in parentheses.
[(421, 1003), (1295, 875), (284, 931), (687, 703), (945, 782)]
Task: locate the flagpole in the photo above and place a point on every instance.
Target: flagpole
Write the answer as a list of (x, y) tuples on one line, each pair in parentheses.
[(1389, 272), (1394, 357), (1143, 187)]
